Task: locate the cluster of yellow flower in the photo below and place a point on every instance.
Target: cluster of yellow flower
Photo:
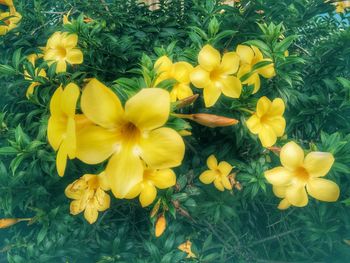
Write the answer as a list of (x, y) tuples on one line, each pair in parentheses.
[(342, 6), (10, 18)]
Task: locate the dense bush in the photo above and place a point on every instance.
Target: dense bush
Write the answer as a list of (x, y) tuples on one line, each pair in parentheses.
[(305, 63)]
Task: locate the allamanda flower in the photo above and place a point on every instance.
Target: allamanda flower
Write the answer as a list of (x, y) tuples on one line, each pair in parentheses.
[(297, 173), (147, 188), (88, 193), (342, 6), (11, 20), (215, 75), (41, 73), (268, 121), (250, 56), (61, 48), (61, 130), (217, 173), (132, 135), (180, 71)]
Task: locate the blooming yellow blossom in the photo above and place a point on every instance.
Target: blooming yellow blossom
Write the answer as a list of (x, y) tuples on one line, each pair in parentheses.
[(214, 75), (342, 6), (61, 48), (11, 21), (61, 130), (296, 173), (250, 56), (186, 247), (217, 173), (41, 73), (147, 188), (179, 71), (268, 121), (88, 193), (132, 135)]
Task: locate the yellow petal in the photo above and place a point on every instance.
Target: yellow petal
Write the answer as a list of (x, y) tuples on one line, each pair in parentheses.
[(254, 79), (61, 66), (318, 163), (182, 91), (148, 109), (323, 189), (284, 204), (103, 200), (296, 195), (55, 103), (91, 213), (162, 179), (69, 99), (245, 53), (211, 95), (162, 148), (278, 124), (76, 207), (74, 56), (212, 162), (226, 182), (105, 111), (31, 88), (124, 171), (218, 184), (135, 191), (267, 136), (209, 58), (200, 77), (258, 56), (56, 129), (278, 176), (103, 181), (54, 40), (231, 87), (207, 177), (96, 144), (225, 168), (69, 40), (280, 191), (253, 124), (230, 63), (61, 160), (70, 139), (263, 106), (267, 71), (163, 64), (181, 71), (148, 194), (277, 108), (291, 156)]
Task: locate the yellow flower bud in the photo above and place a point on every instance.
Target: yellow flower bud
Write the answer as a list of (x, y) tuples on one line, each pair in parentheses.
[(7, 222), (160, 226), (209, 120), (186, 101)]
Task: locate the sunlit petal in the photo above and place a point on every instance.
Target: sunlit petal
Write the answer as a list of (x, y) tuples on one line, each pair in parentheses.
[(296, 195), (148, 194), (212, 162), (263, 106), (292, 156), (209, 58), (162, 179), (225, 168), (318, 163), (278, 176), (323, 189), (231, 87), (200, 77), (75, 56), (69, 99), (207, 177), (211, 95), (267, 136), (230, 63), (253, 124), (245, 53)]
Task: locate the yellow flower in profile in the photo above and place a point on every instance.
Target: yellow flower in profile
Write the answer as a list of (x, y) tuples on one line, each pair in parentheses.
[(11, 21), (61, 130), (341, 6), (180, 71), (297, 173), (88, 193), (214, 75), (41, 73), (268, 121), (61, 48), (187, 248), (147, 188), (217, 173), (250, 56), (132, 135)]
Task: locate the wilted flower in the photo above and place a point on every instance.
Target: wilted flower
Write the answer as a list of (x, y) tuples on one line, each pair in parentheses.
[(11, 21), (132, 135), (186, 247), (214, 75), (217, 173), (289, 181), (268, 121), (61, 48)]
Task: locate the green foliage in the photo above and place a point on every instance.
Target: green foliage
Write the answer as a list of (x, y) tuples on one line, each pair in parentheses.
[(120, 46)]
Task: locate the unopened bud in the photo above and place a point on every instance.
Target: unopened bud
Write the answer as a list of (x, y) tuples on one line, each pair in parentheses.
[(160, 225), (7, 222), (274, 149), (209, 120), (184, 133), (186, 101), (155, 209)]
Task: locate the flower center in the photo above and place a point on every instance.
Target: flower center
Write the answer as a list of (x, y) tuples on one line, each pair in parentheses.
[(302, 174), (264, 118), (61, 52), (215, 75), (130, 133)]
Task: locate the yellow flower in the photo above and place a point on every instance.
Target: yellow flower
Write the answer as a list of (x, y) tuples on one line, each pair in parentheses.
[(11, 21), (180, 71), (217, 173), (131, 135), (61, 130), (249, 56), (186, 247), (147, 188), (61, 48), (289, 181), (88, 193), (341, 6), (214, 75), (41, 73), (268, 121), (160, 226)]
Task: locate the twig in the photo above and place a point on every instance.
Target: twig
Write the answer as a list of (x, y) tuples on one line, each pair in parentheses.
[(273, 237)]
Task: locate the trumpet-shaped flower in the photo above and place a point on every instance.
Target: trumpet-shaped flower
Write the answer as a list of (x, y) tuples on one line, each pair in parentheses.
[(61, 130), (217, 173), (250, 56), (132, 135), (214, 75), (61, 48), (88, 193), (268, 121), (41, 73), (11, 20), (179, 71), (297, 173), (147, 188)]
